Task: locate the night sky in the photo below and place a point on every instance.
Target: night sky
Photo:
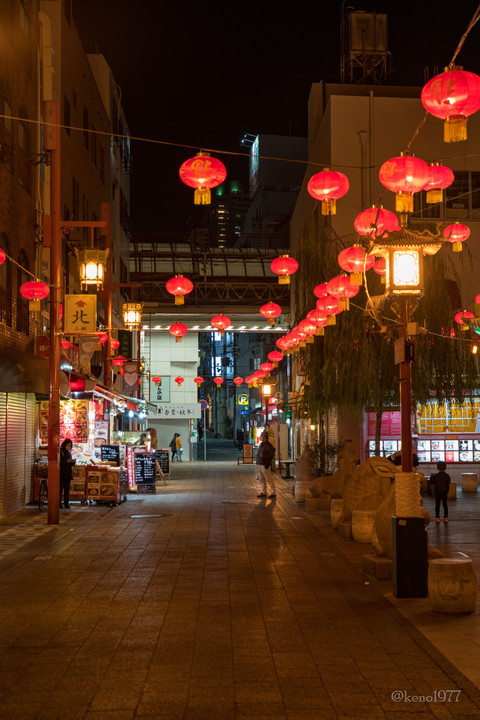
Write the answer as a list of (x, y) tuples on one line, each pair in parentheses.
[(205, 73)]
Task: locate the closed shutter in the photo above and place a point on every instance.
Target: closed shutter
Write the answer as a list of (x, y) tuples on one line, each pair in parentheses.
[(30, 428), (15, 452), (3, 453)]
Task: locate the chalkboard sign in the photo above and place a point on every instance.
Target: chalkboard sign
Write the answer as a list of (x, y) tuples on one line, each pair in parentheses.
[(110, 453), (146, 489), (145, 469), (163, 457)]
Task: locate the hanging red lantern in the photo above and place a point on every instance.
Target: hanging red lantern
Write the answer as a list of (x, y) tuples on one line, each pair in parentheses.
[(198, 380), (341, 288), (114, 344), (404, 175), (456, 234), (441, 177), (284, 266), (319, 319), (250, 380), (380, 267), (299, 337), (270, 311), (218, 381), (452, 96), (460, 318), (282, 343), (178, 330), (34, 291), (102, 337), (179, 380), (202, 173), (307, 327), (259, 375), (375, 222), (118, 360), (2, 256), (156, 379), (355, 261), (179, 286), (275, 356), (267, 367), (238, 381), (329, 306), (328, 186), (220, 323)]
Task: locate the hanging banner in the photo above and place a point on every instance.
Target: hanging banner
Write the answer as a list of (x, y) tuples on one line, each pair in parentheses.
[(80, 314), (86, 348), (130, 377), (160, 392)]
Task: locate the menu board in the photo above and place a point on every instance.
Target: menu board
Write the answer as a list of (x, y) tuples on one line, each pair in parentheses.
[(449, 450), (387, 447), (75, 421), (144, 468), (110, 453), (391, 423), (103, 483), (449, 418), (163, 457)]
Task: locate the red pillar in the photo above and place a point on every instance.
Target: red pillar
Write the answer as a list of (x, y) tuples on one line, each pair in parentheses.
[(105, 216), (52, 140)]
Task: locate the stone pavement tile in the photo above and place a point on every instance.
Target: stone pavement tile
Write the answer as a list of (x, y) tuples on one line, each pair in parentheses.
[(252, 668), (310, 714), (261, 711), (107, 715), (257, 692), (211, 710), (109, 697), (295, 664), (57, 712)]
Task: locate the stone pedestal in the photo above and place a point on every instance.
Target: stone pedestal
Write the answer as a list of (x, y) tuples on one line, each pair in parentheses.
[(469, 482), (318, 503), (452, 491), (452, 585), (379, 568), (344, 528), (336, 511), (362, 525)]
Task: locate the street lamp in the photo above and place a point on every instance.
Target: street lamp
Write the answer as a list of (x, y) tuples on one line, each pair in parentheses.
[(132, 315), (267, 392), (91, 265)]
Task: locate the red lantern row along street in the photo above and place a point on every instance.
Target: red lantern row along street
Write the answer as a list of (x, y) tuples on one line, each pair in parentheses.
[(178, 330), (355, 261), (328, 186), (179, 286), (452, 96), (221, 323), (456, 234), (284, 266), (203, 172), (34, 291), (375, 222), (270, 311)]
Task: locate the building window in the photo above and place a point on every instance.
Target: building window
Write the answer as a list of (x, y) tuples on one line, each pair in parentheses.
[(102, 164), (23, 164), (85, 127), (5, 286), (462, 200), (22, 320), (94, 146), (75, 199), (66, 115), (6, 135)]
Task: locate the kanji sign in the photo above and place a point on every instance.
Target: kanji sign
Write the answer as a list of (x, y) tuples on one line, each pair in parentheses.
[(80, 314), (180, 411)]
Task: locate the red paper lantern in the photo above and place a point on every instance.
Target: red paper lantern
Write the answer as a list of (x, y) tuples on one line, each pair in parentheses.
[(375, 221), (178, 330), (118, 360), (179, 286), (319, 319), (179, 380), (203, 173), (404, 175), (341, 288), (270, 311), (298, 336), (452, 96), (250, 380), (259, 374), (114, 344), (328, 186), (34, 291), (355, 261), (284, 266), (460, 318), (441, 177), (267, 366), (309, 328), (102, 337), (282, 343), (329, 306), (221, 323), (380, 266), (156, 379), (198, 380), (321, 290), (2, 256), (456, 234), (218, 381), (275, 356), (238, 381)]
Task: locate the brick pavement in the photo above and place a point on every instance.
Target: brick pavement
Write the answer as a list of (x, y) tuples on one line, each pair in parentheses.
[(220, 606)]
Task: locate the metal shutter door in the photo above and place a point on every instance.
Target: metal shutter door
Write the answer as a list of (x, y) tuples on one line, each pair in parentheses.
[(30, 427), (3, 453), (15, 453)]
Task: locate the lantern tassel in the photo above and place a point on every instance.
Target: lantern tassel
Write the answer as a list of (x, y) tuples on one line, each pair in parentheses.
[(455, 129), (457, 247), (404, 202), (179, 300), (434, 196), (329, 207), (284, 279), (356, 278), (202, 196), (271, 321), (178, 339), (34, 305)]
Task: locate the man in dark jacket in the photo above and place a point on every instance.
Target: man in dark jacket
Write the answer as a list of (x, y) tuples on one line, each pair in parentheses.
[(441, 483), (265, 455)]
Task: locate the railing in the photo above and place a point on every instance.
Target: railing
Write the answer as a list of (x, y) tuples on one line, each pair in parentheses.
[(23, 316), (6, 306)]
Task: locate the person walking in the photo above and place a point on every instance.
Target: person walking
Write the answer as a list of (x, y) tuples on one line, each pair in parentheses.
[(179, 447), (66, 472), (173, 446), (441, 483), (265, 455)]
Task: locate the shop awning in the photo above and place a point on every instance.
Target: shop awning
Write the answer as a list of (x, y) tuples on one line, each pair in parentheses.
[(92, 388), (27, 373)]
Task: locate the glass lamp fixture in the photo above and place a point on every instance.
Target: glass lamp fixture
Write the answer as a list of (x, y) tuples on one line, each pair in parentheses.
[(404, 271), (132, 315), (91, 266)]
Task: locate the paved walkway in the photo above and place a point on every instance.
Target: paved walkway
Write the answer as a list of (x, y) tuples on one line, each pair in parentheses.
[(204, 603)]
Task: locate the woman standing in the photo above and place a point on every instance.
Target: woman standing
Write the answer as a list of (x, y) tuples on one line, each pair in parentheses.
[(66, 472), (173, 446), (179, 447)]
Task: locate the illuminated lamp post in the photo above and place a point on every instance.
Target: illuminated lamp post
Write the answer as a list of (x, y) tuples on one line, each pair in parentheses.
[(404, 252), (91, 266), (270, 311), (202, 172), (328, 186), (456, 234), (178, 330), (132, 315), (452, 96), (179, 286), (284, 266), (267, 392)]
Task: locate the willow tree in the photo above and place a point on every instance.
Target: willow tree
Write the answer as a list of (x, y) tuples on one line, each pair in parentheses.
[(352, 365)]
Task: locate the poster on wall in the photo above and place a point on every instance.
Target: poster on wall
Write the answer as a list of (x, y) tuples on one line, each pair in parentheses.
[(160, 391)]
